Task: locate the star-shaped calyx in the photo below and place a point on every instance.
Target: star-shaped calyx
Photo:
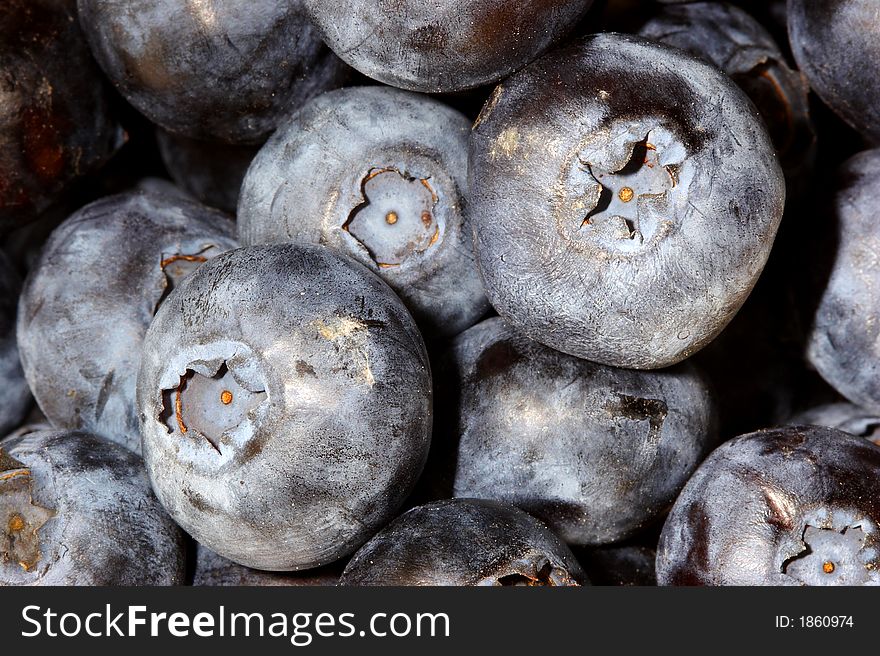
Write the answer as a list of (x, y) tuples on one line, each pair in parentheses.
[(629, 202)]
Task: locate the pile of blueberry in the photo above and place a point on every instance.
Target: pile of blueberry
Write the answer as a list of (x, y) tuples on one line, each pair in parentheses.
[(470, 292)]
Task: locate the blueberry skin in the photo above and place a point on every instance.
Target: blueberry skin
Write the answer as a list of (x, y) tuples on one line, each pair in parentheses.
[(86, 306), (15, 396), (836, 43), (379, 175), (78, 510), (214, 570), (444, 46), (224, 70), (844, 334), (464, 542), (55, 121), (596, 453), (732, 40), (210, 172), (798, 505), (644, 268), (283, 441), (846, 417)]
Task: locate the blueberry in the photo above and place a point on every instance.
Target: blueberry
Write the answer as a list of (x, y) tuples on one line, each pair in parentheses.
[(787, 506), (216, 70), (15, 396), (596, 453), (625, 198), (464, 542), (87, 304), (439, 47), (210, 172), (78, 510), (836, 43), (845, 417), (214, 570), (731, 39), (379, 175), (285, 400), (55, 121), (842, 342)]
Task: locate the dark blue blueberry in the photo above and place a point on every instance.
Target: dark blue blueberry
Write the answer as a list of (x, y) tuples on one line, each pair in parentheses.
[(78, 510), (446, 46), (87, 303), (798, 505), (625, 198), (285, 399), (596, 453), (465, 542), (846, 325), (223, 70), (836, 43), (379, 175)]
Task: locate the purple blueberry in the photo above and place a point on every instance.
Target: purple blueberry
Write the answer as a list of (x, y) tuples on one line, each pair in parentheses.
[(78, 510), (442, 46), (836, 43), (215, 70), (87, 303), (846, 323), (798, 505), (465, 542)]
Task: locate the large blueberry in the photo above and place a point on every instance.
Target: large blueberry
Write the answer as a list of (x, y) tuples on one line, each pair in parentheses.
[(836, 43), (86, 305), (15, 396), (285, 400), (55, 121), (797, 505), (76, 509), (379, 175), (625, 197), (731, 39), (464, 542), (223, 70), (846, 325), (595, 452), (442, 46)]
